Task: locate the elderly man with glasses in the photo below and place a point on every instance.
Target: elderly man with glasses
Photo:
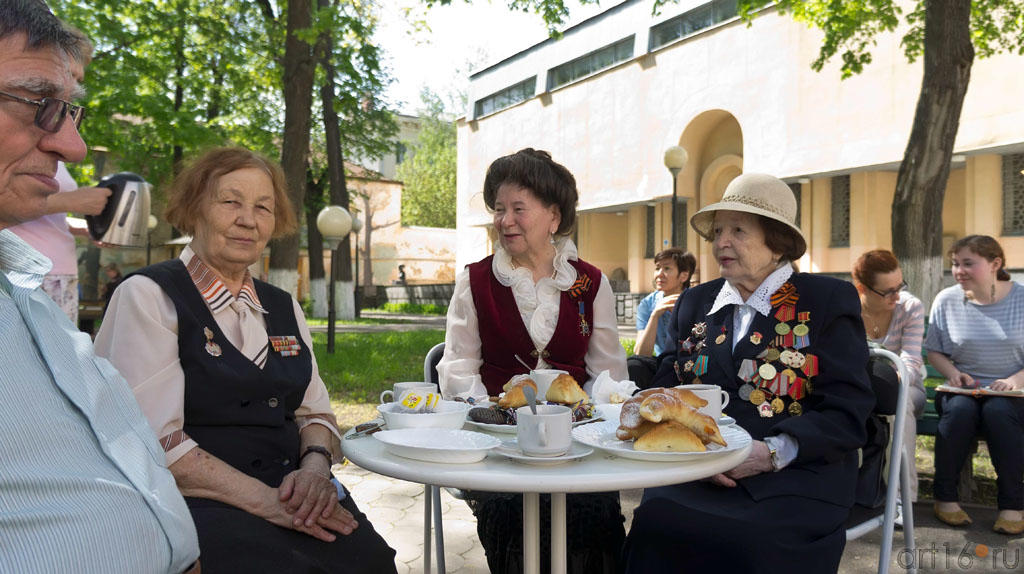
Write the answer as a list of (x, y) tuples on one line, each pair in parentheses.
[(82, 482)]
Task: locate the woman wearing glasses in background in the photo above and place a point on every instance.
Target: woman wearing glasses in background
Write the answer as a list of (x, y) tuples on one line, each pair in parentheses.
[(894, 320)]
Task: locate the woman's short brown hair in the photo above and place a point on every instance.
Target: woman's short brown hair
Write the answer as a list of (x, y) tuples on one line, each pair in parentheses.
[(986, 247), (781, 239), (198, 179), (684, 260), (873, 263), (531, 169)]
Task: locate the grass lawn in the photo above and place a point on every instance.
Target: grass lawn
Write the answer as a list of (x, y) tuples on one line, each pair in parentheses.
[(364, 364)]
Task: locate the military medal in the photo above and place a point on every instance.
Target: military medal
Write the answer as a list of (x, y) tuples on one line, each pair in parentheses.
[(212, 348), (765, 410), (778, 406), (700, 366), (688, 366), (795, 409), (797, 359), (756, 397), (786, 295), (802, 330), (766, 371), (287, 345), (720, 339), (748, 367), (584, 327), (699, 330), (782, 328), (772, 355), (755, 339), (745, 391)]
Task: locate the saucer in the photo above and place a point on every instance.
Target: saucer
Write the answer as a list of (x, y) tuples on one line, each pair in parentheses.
[(510, 449), (726, 420)]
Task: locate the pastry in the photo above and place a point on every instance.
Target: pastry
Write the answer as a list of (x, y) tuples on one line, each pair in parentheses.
[(514, 396), (669, 436), (660, 407), (565, 390), (630, 433)]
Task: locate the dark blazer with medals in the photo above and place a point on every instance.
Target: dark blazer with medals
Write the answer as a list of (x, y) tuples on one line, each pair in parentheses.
[(834, 396)]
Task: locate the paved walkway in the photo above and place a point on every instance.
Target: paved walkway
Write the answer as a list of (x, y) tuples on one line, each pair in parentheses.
[(396, 509)]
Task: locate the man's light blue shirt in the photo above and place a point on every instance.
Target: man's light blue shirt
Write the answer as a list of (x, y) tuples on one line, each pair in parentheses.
[(83, 486), (643, 316)]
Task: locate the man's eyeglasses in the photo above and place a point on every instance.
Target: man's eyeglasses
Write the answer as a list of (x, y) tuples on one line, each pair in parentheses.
[(51, 112), (890, 292)]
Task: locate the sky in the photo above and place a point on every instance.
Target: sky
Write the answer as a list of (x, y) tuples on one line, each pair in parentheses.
[(457, 38)]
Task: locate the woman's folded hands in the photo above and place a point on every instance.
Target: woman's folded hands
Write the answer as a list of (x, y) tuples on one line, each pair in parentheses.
[(307, 501)]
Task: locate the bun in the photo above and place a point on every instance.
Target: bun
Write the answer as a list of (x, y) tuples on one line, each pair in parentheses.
[(514, 396), (669, 437), (630, 433), (565, 390)]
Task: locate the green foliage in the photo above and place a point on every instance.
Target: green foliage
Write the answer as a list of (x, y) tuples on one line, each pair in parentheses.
[(628, 345), (851, 27), (429, 172), (364, 364), (413, 308)]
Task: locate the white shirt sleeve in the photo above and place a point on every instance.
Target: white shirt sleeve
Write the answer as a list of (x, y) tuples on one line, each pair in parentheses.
[(459, 368), (605, 352)]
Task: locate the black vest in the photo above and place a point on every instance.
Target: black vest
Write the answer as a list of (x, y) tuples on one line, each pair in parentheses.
[(234, 410)]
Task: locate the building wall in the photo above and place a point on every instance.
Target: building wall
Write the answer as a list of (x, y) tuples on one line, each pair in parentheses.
[(738, 99)]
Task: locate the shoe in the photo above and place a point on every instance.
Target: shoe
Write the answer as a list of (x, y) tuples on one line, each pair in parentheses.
[(958, 518), (1009, 526)]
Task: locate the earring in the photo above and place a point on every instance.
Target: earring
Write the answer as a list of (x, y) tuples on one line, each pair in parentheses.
[(551, 238)]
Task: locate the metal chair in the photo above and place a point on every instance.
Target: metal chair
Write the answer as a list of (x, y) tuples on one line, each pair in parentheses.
[(431, 493), (898, 477)]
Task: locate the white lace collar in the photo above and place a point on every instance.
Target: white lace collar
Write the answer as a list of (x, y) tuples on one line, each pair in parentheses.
[(761, 298), (565, 273)]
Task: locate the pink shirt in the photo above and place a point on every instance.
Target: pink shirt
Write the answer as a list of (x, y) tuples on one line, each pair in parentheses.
[(50, 235)]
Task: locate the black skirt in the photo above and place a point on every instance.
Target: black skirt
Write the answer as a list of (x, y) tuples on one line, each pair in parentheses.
[(593, 523)]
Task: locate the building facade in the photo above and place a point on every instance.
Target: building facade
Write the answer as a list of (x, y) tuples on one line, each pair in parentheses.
[(617, 89)]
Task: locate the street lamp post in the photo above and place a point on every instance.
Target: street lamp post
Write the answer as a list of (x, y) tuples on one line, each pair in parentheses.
[(151, 224), (675, 161), (334, 223), (357, 225)]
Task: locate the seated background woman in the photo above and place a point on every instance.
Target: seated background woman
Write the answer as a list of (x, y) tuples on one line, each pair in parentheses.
[(894, 319), (976, 338), (222, 366), (790, 350), (673, 269), (536, 300)]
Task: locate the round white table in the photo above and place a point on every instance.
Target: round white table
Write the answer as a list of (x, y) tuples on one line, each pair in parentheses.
[(595, 473)]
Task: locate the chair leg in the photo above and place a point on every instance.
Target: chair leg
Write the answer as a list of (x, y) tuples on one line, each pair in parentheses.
[(426, 528), (908, 510), (438, 528)]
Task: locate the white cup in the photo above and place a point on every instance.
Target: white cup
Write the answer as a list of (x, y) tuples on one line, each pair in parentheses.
[(717, 398), (399, 388), (544, 378), (547, 433)]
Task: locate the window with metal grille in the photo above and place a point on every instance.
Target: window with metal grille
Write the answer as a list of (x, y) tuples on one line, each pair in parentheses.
[(681, 224), (1013, 194), (797, 189), (690, 22), (840, 236), (650, 246), (591, 63), (507, 97)]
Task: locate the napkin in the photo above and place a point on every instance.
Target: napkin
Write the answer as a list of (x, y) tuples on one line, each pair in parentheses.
[(604, 389)]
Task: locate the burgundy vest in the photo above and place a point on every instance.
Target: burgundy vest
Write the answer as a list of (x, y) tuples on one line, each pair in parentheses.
[(503, 335)]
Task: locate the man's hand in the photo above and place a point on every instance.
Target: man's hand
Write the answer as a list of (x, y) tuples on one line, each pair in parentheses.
[(962, 380), (1012, 383), (84, 200)]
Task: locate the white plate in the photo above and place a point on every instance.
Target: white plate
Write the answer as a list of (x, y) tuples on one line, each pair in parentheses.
[(602, 436), (511, 429), (510, 449), (438, 445)]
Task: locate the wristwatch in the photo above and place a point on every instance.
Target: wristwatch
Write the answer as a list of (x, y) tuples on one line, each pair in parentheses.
[(319, 450)]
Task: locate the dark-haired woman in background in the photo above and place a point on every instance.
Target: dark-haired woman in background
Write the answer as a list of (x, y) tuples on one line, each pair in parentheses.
[(976, 339), (534, 301), (894, 320)]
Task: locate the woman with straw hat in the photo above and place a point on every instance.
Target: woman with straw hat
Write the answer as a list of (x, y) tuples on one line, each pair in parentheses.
[(790, 350)]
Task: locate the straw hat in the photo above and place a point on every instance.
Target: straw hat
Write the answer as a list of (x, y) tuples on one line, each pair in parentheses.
[(756, 193)]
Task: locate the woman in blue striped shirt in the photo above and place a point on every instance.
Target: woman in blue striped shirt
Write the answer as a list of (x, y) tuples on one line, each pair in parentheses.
[(976, 339)]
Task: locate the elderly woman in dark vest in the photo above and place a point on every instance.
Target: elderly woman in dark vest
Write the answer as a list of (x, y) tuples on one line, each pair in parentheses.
[(790, 350), (222, 365), (535, 302)]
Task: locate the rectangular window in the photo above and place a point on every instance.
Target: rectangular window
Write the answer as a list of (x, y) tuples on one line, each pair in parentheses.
[(1013, 194), (650, 250), (591, 63), (681, 225), (840, 236), (797, 189), (507, 97), (690, 22)]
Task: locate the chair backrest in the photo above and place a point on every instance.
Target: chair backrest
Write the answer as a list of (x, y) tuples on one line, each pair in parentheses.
[(430, 363)]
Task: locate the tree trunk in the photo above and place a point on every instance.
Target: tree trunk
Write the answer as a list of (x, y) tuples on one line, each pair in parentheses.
[(299, 66), (921, 184), (314, 201), (335, 167), (367, 256)]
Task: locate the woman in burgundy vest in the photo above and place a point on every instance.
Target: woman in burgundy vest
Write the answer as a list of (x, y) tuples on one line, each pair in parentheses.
[(534, 302), (222, 366)]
